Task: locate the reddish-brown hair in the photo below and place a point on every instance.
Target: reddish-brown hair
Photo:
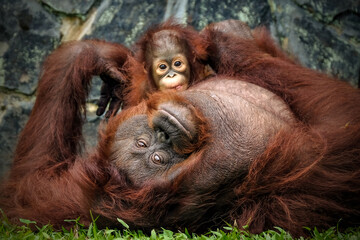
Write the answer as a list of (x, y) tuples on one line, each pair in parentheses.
[(142, 83)]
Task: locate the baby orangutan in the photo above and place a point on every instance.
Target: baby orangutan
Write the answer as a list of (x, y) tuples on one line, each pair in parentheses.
[(170, 68), (167, 56)]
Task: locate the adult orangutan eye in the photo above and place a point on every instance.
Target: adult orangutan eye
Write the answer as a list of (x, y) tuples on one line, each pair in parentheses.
[(162, 66), (141, 143), (177, 64), (157, 158)]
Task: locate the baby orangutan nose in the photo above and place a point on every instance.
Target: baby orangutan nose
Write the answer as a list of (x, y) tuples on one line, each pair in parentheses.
[(171, 74)]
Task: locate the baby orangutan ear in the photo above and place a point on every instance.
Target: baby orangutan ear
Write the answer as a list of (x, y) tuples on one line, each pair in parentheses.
[(183, 124)]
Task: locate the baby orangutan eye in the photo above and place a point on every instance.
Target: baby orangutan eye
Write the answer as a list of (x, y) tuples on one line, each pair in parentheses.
[(177, 63), (141, 143), (162, 66)]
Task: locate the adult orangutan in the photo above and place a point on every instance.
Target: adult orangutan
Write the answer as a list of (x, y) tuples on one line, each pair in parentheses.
[(265, 143)]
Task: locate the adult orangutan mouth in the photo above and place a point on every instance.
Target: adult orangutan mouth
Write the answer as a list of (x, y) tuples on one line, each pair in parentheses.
[(176, 118)]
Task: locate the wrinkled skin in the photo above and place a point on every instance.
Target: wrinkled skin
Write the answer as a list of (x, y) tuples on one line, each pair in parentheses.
[(217, 127), (253, 116)]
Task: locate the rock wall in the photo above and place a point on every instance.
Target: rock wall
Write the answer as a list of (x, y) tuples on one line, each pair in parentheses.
[(325, 35)]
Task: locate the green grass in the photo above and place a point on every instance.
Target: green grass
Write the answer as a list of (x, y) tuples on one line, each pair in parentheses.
[(9, 231)]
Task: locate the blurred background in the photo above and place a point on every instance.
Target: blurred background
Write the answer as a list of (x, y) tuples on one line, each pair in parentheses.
[(324, 35)]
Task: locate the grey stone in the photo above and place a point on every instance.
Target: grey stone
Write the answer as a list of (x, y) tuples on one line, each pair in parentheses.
[(123, 21), (94, 93), (327, 10), (253, 12), (29, 34), (316, 45), (70, 6), (90, 128), (348, 26), (90, 131), (14, 113), (23, 59), (176, 10)]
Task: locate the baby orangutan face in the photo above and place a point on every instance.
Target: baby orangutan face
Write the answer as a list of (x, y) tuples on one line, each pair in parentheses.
[(170, 67)]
